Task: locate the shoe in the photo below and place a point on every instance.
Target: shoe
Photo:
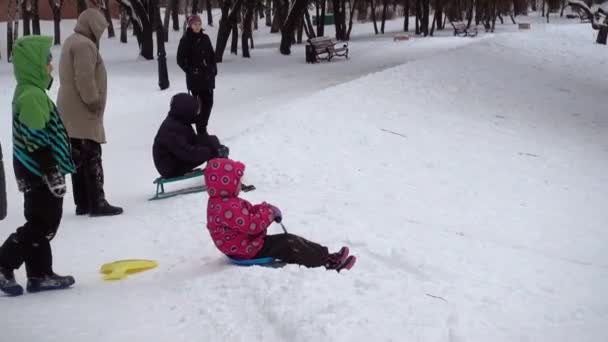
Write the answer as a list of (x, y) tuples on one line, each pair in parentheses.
[(49, 282), (334, 260), (348, 263), (81, 211), (105, 209), (8, 285)]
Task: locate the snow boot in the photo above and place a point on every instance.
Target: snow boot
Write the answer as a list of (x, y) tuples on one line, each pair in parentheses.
[(334, 260), (105, 209), (98, 206), (49, 282), (348, 263), (8, 285)]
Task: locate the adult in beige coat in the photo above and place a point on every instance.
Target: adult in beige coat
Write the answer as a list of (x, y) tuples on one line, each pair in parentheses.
[(81, 103)]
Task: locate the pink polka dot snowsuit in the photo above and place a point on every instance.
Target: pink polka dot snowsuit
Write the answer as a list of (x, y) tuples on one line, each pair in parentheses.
[(236, 226)]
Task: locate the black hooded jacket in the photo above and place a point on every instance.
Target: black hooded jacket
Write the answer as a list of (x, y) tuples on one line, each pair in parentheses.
[(177, 148)]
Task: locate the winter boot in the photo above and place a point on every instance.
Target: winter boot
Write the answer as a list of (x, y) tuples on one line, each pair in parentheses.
[(98, 206), (8, 285), (347, 264), (80, 190), (334, 260), (105, 209), (49, 282)]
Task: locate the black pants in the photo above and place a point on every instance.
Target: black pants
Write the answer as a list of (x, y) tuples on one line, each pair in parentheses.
[(294, 249), (87, 181), (205, 102), (31, 242)]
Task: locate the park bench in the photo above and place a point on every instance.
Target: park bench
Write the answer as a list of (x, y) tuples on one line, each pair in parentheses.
[(325, 48), (460, 29)]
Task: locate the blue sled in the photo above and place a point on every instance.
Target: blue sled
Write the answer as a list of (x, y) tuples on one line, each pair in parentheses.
[(268, 262), (250, 262)]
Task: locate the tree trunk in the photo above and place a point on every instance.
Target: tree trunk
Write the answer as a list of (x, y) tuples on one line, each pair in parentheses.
[(406, 18), (166, 19), (352, 6), (321, 20), (209, 13), (418, 16), (25, 16), (311, 29), (247, 22), (234, 46), (163, 75), (439, 15), (106, 12), (35, 18), (268, 13), (384, 8), (374, 16), (602, 35), (142, 23), (278, 16), (433, 24), (56, 8), (81, 5), (10, 22), (223, 33), (426, 7), (124, 24), (195, 9), (293, 18), (300, 31), (174, 14)]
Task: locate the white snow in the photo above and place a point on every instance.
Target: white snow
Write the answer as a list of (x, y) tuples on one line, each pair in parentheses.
[(469, 176)]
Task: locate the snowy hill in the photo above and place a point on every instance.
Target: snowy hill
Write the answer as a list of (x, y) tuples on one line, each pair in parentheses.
[(468, 175)]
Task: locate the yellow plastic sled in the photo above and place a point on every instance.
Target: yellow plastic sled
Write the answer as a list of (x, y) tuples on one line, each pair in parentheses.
[(120, 269)]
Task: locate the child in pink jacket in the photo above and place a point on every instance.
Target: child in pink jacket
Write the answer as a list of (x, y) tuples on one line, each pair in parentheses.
[(238, 228)]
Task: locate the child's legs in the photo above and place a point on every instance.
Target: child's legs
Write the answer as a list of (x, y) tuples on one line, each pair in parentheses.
[(31, 242), (294, 249)]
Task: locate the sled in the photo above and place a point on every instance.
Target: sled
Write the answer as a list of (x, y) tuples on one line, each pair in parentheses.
[(120, 269), (161, 181), (268, 262), (162, 194)]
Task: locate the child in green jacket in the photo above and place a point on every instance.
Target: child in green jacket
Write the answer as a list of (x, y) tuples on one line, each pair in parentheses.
[(41, 159)]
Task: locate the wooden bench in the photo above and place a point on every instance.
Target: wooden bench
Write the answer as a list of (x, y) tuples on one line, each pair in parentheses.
[(160, 185), (401, 36), (324, 48), (460, 29)]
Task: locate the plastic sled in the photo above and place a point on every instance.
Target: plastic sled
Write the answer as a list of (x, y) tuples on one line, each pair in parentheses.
[(120, 269), (268, 261)]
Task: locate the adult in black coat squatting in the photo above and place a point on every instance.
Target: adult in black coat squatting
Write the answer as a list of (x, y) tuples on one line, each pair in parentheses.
[(177, 149), (196, 57)]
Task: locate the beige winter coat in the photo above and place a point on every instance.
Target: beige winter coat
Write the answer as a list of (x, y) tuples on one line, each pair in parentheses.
[(83, 81)]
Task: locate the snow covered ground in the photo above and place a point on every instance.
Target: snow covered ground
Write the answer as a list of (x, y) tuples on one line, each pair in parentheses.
[(468, 175)]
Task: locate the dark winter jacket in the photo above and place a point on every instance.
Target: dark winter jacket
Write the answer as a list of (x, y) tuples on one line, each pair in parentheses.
[(196, 57), (40, 140), (177, 149)]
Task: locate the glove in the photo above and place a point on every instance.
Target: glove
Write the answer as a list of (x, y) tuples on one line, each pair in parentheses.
[(55, 181), (223, 151), (276, 213)]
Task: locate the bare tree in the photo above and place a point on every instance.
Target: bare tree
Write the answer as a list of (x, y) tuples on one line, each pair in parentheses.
[(26, 13), (287, 33), (35, 17), (56, 6)]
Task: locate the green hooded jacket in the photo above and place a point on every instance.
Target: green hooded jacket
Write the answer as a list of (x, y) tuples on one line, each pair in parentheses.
[(40, 141)]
